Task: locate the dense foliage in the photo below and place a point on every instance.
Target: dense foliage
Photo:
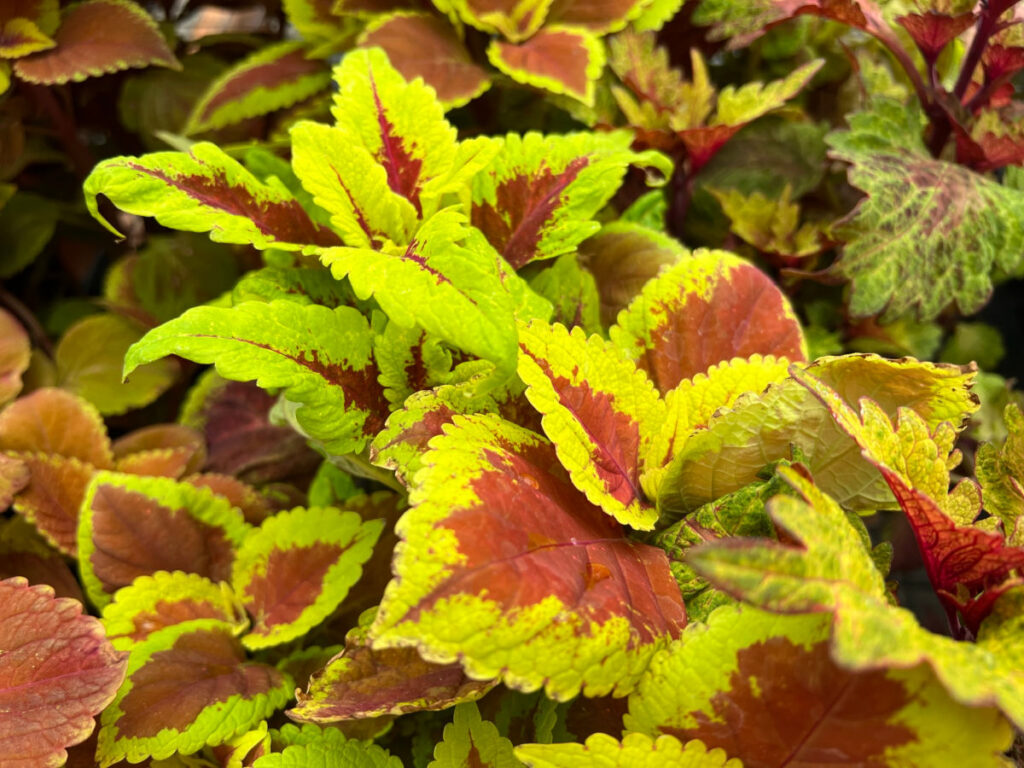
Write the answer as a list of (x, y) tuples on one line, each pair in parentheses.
[(511, 384)]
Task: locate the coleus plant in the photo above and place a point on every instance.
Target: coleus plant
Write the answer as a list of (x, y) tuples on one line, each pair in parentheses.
[(576, 470)]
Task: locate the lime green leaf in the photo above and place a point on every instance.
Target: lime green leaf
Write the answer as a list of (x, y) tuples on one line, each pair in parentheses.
[(152, 602), (27, 223), (15, 353), (736, 683), (471, 742), (409, 360), (447, 281), (20, 37), (634, 751), (560, 59), (204, 191), (180, 528), (932, 229), (272, 78), (187, 685), (320, 358), (515, 20), (1000, 471), (600, 412), (293, 571), (492, 513), (303, 285), (710, 307), (770, 225), (573, 292), (326, 748)]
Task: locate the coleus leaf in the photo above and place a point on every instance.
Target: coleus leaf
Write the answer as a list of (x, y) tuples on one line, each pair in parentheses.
[(932, 31), (15, 352), (634, 749), (21, 37), (178, 526), (471, 553), (472, 742), (187, 685), (758, 668), (333, 380), (600, 413), (447, 281), (97, 37), (57, 672), (45, 14), (423, 45), (361, 683), (303, 285), (52, 498), (933, 228), (164, 450), (738, 442), (14, 475), (572, 291), (959, 558), (152, 602), (709, 307), (560, 59), (255, 506), (401, 124), (1000, 471), (272, 78), (205, 190), (293, 571), (326, 748), (538, 197), (513, 19), (55, 422), (24, 552), (830, 569), (409, 360)]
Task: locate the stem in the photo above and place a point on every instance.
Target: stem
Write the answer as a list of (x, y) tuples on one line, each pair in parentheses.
[(982, 32), (984, 94)]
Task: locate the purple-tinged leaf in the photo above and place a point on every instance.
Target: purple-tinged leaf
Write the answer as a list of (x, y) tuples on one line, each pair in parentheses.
[(56, 672), (187, 685), (564, 60), (933, 31), (97, 37), (24, 552)]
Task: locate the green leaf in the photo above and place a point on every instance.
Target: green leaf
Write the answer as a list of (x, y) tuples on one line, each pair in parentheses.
[(447, 281), (409, 361), (293, 571), (320, 358), (932, 229), (600, 413), (204, 190), (187, 685), (326, 748), (635, 749), (1000, 471), (272, 78), (492, 514), (471, 742), (303, 285), (735, 684), (573, 292), (27, 223)]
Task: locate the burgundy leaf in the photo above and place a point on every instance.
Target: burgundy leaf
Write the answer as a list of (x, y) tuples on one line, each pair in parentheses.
[(934, 31)]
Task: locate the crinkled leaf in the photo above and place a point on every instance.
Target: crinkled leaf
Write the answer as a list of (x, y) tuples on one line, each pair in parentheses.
[(932, 229), (471, 742), (361, 683), (177, 526), (736, 683), (90, 358), (15, 352), (709, 307), (423, 45), (505, 566), (52, 421), (272, 78), (53, 496), (152, 602), (187, 685), (1001, 470), (303, 285), (321, 359), (57, 672), (447, 281), (205, 190), (573, 292), (772, 225), (325, 748), (600, 413), (293, 571), (559, 59), (635, 749), (739, 441), (409, 360), (97, 37)]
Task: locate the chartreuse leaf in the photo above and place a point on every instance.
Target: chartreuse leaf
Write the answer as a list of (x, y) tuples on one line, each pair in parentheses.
[(188, 685), (830, 569), (401, 124), (325, 748), (178, 526), (709, 307), (152, 602), (446, 280), (57, 672), (319, 358), (1001, 471), (740, 440), (600, 413), (21, 37), (636, 750), (269, 79), (361, 682), (45, 14), (493, 515), (471, 742), (303, 285), (538, 197), (559, 58), (927, 232), (293, 571), (205, 190), (735, 684), (409, 360), (573, 292)]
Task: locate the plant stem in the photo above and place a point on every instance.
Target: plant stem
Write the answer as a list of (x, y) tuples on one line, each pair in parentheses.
[(982, 32)]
